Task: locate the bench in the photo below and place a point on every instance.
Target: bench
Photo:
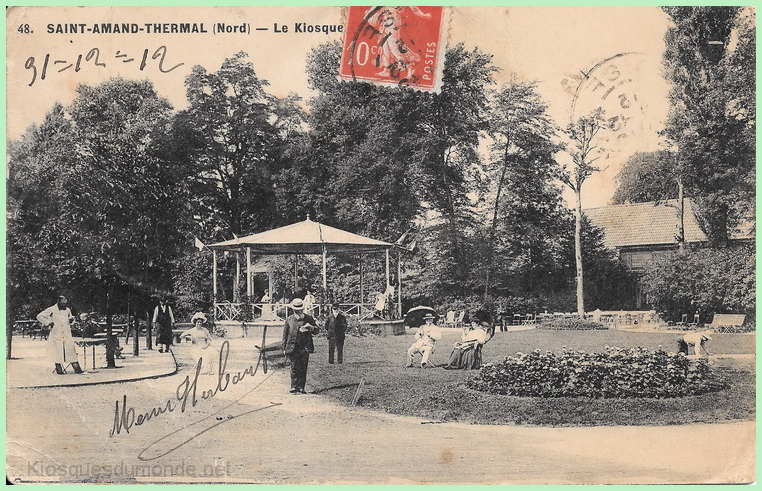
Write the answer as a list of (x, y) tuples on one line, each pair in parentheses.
[(116, 329), (180, 328), (727, 322)]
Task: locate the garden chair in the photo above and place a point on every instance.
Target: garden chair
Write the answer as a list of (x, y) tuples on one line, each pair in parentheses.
[(517, 320), (727, 322), (459, 320), (683, 320), (695, 322), (450, 319), (531, 320)]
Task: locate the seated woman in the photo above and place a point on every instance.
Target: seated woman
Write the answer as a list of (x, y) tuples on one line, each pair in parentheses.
[(467, 354), (200, 343)]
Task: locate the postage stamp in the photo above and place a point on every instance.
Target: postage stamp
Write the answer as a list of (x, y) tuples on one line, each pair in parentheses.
[(394, 46)]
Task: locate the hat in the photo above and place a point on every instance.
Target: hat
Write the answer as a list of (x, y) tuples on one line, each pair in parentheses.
[(297, 304), (429, 316), (197, 316)]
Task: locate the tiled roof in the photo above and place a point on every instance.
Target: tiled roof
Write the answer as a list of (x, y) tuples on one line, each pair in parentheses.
[(651, 223)]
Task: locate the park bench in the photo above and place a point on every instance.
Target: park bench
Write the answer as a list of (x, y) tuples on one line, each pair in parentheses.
[(727, 322), (116, 329), (180, 328)]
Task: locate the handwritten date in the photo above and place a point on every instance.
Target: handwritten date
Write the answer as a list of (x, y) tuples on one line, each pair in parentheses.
[(95, 58)]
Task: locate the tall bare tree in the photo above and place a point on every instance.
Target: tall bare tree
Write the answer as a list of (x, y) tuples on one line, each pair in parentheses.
[(584, 151)]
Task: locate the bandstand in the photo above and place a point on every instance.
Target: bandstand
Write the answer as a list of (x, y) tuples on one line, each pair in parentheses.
[(298, 239)]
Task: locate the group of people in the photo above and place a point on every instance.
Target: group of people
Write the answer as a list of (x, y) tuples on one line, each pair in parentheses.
[(297, 341), (466, 353), (279, 309), (62, 349)]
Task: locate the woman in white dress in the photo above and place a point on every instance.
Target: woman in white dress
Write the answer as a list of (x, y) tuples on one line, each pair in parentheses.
[(200, 341)]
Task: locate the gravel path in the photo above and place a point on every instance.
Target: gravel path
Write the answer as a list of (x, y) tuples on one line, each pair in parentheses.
[(254, 431)]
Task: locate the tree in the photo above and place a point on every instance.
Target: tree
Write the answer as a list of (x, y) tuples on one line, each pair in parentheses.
[(709, 280), (93, 197), (34, 160), (584, 153), (647, 176), (354, 169), (710, 61), (448, 136), (526, 204), (231, 120)]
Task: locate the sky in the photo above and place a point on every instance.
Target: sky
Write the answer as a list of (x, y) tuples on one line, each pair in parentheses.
[(551, 45)]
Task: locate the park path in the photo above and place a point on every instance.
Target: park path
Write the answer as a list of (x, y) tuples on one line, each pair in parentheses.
[(255, 432)]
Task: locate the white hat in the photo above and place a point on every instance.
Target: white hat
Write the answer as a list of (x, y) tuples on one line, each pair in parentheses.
[(297, 304), (197, 316)]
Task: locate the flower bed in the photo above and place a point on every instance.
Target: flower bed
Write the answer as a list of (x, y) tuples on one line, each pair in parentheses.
[(571, 325), (615, 373)]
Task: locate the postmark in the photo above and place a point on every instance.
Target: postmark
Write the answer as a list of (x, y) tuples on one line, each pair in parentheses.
[(611, 85), (398, 46)]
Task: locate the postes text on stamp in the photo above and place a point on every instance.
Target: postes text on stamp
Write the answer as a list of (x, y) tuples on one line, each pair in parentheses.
[(401, 46)]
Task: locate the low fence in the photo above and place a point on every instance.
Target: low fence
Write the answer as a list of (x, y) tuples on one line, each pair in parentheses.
[(229, 311), (612, 318)]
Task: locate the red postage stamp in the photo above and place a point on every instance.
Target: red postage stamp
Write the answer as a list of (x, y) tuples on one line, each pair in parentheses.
[(401, 46)]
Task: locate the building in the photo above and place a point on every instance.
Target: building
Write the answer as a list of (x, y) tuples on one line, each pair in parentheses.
[(641, 232)]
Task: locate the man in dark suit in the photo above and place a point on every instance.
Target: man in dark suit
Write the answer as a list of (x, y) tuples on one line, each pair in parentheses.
[(336, 328), (297, 344)]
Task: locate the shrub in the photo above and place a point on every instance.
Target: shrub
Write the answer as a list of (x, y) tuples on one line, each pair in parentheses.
[(566, 324), (709, 280), (218, 330), (615, 373), (356, 328)]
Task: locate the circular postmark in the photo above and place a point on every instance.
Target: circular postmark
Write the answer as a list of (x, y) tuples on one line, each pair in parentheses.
[(610, 86)]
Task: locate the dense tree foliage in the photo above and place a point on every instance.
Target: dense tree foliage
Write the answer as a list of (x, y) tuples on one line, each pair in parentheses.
[(647, 176), (95, 220), (231, 120), (527, 211), (706, 281), (106, 195), (710, 60)]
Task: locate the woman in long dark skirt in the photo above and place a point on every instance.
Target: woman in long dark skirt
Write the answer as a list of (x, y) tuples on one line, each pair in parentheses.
[(467, 353)]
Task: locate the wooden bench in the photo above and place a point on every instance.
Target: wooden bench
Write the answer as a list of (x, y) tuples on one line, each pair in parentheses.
[(727, 322), (116, 329), (180, 328)]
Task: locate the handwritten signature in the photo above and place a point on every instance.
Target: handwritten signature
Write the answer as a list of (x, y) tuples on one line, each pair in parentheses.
[(125, 417)]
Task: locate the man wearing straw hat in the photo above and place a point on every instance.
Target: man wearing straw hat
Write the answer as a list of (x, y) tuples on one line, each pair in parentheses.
[(425, 340), (297, 344)]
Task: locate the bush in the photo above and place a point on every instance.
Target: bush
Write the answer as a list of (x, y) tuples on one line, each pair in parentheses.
[(719, 280), (356, 328), (615, 373), (565, 324)]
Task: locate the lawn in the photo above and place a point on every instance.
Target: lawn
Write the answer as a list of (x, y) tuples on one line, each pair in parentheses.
[(439, 395)]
